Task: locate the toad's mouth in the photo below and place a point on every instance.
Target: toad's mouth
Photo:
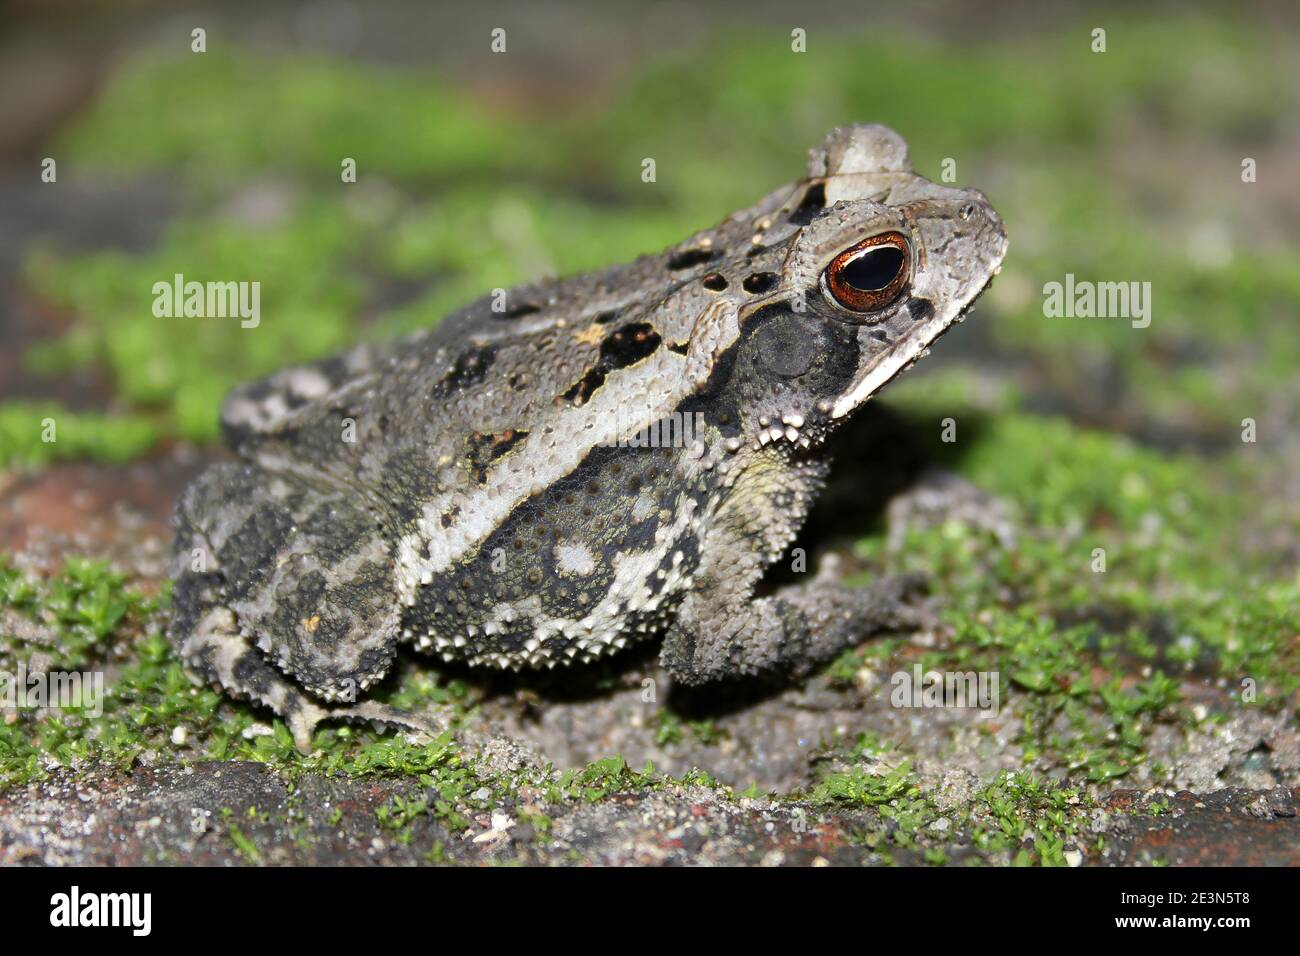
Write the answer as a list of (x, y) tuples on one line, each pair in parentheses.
[(896, 359)]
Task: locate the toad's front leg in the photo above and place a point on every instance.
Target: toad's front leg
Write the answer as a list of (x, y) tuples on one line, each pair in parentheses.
[(722, 630)]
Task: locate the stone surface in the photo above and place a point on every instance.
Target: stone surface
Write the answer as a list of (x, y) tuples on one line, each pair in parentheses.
[(187, 816)]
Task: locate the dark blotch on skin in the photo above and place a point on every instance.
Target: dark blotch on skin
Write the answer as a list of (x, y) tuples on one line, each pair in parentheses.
[(784, 348), (813, 202), (518, 311), (629, 345), (776, 348), (692, 257), (759, 282), (920, 309), (625, 346), (470, 367), (486, 447)]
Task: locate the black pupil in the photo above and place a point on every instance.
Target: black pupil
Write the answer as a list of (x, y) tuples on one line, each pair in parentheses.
[(874, 269)]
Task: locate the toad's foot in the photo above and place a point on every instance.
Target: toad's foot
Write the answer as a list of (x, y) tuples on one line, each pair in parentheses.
[(216, 653), (302, 723)]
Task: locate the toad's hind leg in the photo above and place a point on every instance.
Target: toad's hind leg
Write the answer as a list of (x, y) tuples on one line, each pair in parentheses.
[(282, 596), (218, 654)]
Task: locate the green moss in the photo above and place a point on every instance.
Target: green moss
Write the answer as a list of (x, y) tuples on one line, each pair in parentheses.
[(88, 618), (1022, 818), (35, 434), (872, 776), (599, 779), (1078, 716), (244, 845), (1170, 525), (863, 788), (672, 729), (73, 617), (1179, 593), (449, 786), (452, 788), (1027, 818), (184, 366), (1235, 310)]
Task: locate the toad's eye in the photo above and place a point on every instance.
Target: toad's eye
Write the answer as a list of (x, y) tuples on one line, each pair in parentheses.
[(870, 275)]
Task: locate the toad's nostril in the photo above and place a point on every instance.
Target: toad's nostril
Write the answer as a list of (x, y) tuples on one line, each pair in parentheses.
[(759, 282)]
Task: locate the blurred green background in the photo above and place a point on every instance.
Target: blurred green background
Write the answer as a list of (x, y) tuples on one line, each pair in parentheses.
[(1113, 166)]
